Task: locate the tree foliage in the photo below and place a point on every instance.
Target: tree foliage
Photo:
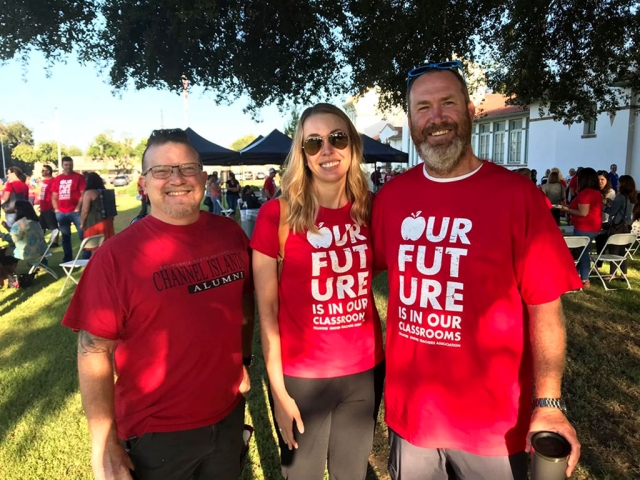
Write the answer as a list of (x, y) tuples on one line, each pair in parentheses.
[(242, 142), (570, 54), (44, 152), (290, 127), (122, 153), (16, 133)]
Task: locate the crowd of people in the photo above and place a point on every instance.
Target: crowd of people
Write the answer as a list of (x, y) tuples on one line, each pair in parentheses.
[(598, 204), (474, 327), (62, 200)]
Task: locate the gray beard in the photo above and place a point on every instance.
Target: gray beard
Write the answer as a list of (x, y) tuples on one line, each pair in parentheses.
[(442, 159), (179, 210)]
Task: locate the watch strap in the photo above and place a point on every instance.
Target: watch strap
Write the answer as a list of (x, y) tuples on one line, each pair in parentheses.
[(558, 403)]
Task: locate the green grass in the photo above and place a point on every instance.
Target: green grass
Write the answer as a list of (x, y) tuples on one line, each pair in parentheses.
[(43, 433)]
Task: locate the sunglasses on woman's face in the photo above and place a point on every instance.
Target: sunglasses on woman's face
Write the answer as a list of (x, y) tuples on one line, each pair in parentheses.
[(313, 145)]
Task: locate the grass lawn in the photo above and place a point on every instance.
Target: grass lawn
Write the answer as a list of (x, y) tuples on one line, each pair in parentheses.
[(43, 433)]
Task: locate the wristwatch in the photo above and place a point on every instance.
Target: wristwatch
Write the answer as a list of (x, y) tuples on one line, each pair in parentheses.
[(247, 361), (558, 403)]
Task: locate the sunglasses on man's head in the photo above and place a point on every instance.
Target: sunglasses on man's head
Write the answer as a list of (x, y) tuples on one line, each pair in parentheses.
[(419, 71), (171, 134), (313, 145)]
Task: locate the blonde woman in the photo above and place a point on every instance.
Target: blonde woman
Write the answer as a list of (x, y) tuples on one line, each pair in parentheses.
[(320, 330)]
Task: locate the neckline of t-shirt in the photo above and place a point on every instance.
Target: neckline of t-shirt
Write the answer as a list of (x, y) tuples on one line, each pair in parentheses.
[(347, 206), (453, 179), (176, 228)]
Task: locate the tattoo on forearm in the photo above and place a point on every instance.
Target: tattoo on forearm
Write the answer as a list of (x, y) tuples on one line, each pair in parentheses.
[(88, 343)]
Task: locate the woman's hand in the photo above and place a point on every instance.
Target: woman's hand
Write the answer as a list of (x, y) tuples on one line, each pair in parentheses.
[(286, 412)]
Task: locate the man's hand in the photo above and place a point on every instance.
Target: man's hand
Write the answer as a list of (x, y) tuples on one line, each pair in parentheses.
[(546, 419), (245, 385), (111, 463)]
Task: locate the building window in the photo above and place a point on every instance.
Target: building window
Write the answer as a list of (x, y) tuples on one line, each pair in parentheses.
[(485, 139), (473, 143), (515, 141), (590, 127), (498, 142)]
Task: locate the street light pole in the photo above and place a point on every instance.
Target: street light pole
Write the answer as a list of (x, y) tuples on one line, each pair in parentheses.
[(4, 166), (58, 141)]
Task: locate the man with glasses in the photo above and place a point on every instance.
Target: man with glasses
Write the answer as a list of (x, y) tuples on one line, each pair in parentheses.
[(47, 215), (168, 305), (474, 318)]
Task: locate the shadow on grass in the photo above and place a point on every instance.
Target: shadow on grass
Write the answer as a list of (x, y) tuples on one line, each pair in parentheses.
[(602, 379), (44, 357)]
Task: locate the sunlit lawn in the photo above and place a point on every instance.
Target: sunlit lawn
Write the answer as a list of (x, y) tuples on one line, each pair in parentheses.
[(43, 434)]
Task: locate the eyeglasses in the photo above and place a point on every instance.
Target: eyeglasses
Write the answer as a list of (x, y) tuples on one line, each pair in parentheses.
[(164, 171), (452, 65), (312, 145)]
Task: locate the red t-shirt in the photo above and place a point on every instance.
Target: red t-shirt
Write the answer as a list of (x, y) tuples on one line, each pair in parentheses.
[(18, 187), (171, 296), (573, 183), (462, 267), (69, 189), (593, 221), (45, 195), (270, 186), (329, 325)]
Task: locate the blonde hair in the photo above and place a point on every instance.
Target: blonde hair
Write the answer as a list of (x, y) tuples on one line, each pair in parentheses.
[(557, 170), (297, 181)]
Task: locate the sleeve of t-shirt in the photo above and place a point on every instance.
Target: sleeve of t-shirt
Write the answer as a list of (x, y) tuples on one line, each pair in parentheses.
[(95, 306), (54, 186), (378, 232), (9, 188), (544, 265), (265, 234)]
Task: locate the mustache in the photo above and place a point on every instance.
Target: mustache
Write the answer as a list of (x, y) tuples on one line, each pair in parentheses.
[(436, 127)]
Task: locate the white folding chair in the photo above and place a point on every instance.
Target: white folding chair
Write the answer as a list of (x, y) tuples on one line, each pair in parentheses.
[(69, 267), (227, 212), (578, 242), (634, 248), (620, 239), (35, 266)]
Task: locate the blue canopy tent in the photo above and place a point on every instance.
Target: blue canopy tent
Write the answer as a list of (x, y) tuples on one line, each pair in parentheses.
[(270, 150), (211, 153)]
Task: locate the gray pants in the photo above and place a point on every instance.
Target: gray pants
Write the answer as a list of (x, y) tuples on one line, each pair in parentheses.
[(408, 462), (212, 452)]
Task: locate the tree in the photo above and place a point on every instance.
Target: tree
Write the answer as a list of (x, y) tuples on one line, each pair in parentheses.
[(73, 151), (570, 54), (16, 133), (290, 127), (242, 142), (24, 153)]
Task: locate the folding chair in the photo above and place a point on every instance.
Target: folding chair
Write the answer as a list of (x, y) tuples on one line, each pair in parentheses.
[(578, 242), (35, 266), (620, 239), (68, 267), (227, 212), (634, 248)]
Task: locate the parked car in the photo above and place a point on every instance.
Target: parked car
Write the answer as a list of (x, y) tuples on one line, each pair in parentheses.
[(120, 181), (260, 176), (248, 175)]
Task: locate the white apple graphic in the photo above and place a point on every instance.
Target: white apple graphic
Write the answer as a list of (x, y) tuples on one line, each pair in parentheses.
[(322, 239), (413, 227)]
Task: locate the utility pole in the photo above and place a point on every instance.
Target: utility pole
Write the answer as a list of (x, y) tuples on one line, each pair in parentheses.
[(57, 120), (4, 166), (185, 95)]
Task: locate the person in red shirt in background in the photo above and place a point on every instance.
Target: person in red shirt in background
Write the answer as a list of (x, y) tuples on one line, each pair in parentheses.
[(586, 215), (270, 184), (66, 195), (320, 329), (474, 319), (16, 185), (47, 215)]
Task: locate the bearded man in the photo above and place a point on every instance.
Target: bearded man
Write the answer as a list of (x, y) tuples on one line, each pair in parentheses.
[(474, 321), (168, 305)]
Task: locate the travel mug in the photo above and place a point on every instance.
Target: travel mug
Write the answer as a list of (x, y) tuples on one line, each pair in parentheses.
[(549, 456)]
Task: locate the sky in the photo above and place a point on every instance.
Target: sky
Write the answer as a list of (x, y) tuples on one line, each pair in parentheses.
[(87, 106)]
